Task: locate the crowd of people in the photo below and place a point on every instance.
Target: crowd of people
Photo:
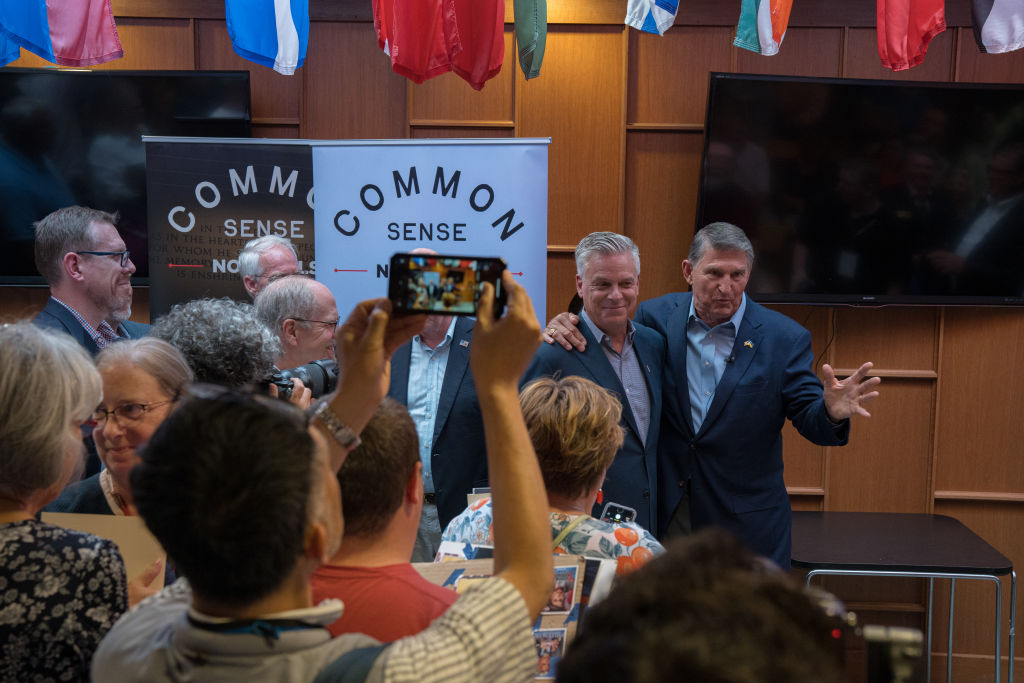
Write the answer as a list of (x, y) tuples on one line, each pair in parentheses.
[(290, 525)]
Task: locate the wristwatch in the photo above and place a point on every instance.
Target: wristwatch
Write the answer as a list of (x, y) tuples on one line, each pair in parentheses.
[(341, 432)]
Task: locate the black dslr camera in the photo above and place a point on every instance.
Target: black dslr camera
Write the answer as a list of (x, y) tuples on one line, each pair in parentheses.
[(320, 377)]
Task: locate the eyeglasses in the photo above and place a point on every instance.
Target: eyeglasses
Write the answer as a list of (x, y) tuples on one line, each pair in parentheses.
[(332, 325), (123, 254), (129, 412)]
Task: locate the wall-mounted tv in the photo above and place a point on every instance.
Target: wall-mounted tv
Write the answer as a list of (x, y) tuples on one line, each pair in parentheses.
[(74, 137), (870, 192)]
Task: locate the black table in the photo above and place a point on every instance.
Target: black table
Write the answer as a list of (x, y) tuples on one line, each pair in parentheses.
[(905, 545)]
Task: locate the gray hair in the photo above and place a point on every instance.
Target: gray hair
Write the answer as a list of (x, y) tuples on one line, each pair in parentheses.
[(64, 230), (605, 243), (47, 382), (290, 297), (222, 340), (249, 257), (722, 237), (155, 357)]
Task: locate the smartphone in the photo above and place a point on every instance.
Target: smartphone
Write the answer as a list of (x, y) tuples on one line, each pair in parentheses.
[(442, 284), (613, 512)]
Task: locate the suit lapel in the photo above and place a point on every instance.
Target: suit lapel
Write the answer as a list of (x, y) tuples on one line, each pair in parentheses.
[(644, 353), (594, 360), (676, 341), (748, 341), (400, 373), (458, 362)]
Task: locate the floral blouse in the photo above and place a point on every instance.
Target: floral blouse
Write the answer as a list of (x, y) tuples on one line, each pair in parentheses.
[(629, 544), (60, 592)]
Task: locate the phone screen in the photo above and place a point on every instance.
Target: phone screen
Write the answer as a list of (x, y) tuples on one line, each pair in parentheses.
[(618, 514), (442, 284)]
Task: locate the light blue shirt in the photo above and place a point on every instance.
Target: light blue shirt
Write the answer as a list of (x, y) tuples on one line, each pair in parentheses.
[(426, 376), (708, 351), (627, 368)]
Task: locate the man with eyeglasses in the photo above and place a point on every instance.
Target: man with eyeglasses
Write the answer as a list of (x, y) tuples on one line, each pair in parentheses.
[(265, 259), (84, 260), (303, 314)]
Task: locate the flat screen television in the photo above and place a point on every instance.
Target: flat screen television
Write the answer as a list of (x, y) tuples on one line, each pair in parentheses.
[(74, 137), (870, 192)]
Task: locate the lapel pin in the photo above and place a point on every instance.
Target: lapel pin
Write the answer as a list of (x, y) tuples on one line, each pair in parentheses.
[(749, 344), (464, 342)]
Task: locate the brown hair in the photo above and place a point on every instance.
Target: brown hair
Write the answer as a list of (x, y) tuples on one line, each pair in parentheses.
[(574, 427), (64, 230)]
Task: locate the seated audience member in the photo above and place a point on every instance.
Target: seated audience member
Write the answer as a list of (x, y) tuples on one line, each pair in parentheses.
[(381, 497), (303, 315), (265, 259), (706, 610), (62, 590), (142, 380), (242, 493), (574, 427), (222, 340)]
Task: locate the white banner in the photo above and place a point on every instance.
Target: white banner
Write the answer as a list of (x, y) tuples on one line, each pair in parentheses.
[(375, 198)]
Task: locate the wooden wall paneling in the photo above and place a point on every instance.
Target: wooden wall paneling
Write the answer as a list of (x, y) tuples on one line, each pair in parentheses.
[(974, 66), (19, 303), (804, 52), (886, 465), (579, 102), (979, 428), (449, 99), (269, 130), (561, 282), (155, 44), (460, 132), (861, 60), (806, 502), (668, 75), (1002, 526), (276, 99), (909, 342), (662, 170), (350, 91)]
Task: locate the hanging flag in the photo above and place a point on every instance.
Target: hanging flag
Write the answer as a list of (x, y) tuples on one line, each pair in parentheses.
[(65, 32), (651, 16), (531, 17), (905, 27), (762, 25), (998, 25), (426, 38), (273, 33)]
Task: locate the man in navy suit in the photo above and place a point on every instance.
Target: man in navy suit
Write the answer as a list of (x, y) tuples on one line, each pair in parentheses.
[(84, 260), (622, 356), (430, 376), (735, 372)]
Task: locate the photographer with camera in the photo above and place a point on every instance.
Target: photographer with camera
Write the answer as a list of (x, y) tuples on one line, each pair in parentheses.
[(303, 314)]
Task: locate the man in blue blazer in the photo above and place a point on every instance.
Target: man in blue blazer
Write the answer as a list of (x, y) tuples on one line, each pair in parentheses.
[(621, 356), (84, 260), (735, 372), (443, 404)]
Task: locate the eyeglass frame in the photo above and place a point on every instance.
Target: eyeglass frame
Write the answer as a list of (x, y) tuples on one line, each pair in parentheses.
[(332, 325), (125, 255), (146, 407)]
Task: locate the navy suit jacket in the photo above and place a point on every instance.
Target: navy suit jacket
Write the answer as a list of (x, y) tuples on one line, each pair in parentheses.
[(633, 475), (734, 461), (458, 456), (56, 317)]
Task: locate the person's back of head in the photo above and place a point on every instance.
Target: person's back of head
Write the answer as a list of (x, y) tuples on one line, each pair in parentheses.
[(47, 384), (222, 340), (225, 486), (574, 427), (707, 611), (375, 476)]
